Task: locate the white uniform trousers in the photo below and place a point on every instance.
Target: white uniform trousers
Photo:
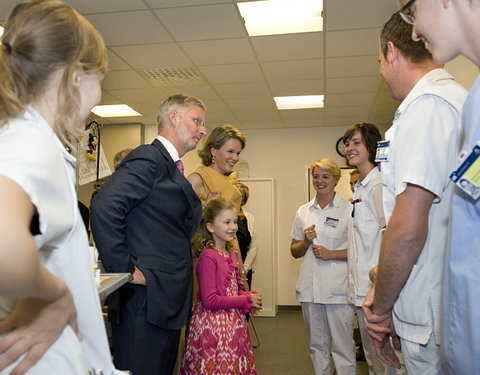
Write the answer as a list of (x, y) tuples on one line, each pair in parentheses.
[(422, 359), (375, 365), (330, 329)]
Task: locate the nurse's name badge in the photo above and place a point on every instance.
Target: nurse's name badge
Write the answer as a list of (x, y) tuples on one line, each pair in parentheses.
[(331, 222), (467, 174), (383, 149)]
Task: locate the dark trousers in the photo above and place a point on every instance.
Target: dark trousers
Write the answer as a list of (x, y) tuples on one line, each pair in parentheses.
[(137, 345)]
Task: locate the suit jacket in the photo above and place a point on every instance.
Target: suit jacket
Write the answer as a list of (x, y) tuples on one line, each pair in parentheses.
[(145, 216)]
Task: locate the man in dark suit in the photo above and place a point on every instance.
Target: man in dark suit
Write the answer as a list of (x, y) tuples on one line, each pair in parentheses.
[(143, 220)]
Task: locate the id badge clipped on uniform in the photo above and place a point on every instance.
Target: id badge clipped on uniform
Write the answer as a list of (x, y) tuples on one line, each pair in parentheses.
[(383, 149), (467, 174), (331, 222)]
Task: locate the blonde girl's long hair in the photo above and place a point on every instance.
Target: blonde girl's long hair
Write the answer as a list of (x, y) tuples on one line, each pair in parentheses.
[(41, 37)]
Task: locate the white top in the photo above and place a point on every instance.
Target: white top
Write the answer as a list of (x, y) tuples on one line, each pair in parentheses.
[(424, 144), (364, 235), (253, 248), (32, 156), (323, 281)]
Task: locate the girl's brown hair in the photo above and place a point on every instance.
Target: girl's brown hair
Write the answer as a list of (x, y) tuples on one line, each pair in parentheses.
[(41, 37)]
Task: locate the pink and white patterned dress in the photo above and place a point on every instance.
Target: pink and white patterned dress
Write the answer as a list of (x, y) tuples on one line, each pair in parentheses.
[(218, 339)]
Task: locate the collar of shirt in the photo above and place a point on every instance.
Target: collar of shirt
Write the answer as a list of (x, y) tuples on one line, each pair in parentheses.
[(335, 202), (423, 86), (172, 151), (370, 176)]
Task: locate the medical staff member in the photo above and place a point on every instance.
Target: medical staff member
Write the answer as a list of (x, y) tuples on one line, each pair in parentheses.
[(319, 235), (417, 158)]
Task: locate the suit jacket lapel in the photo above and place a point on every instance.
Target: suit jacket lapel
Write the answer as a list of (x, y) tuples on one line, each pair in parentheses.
[(177, 177)]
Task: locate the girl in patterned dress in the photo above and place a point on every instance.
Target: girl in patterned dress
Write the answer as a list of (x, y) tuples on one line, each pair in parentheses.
[(218, 340)]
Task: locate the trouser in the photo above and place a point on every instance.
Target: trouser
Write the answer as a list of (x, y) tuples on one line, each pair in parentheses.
[(422, 359), (139, 346), (330, 329)]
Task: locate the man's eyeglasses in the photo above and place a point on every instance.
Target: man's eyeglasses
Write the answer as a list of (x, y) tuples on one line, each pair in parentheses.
[(406, 12)]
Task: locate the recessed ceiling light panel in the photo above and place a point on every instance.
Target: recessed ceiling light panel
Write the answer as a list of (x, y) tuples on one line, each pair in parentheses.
[(299, 102), (272, 17), (117, 110)]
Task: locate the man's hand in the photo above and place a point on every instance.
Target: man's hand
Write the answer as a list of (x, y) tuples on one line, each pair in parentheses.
[(386, 352), (380, 329), (377, 326), (138, 278), (34, 326)]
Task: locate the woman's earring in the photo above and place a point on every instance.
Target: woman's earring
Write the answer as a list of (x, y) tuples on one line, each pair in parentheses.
[(213, 159)]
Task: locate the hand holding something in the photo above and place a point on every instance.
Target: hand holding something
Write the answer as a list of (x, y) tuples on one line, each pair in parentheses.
[(309, 234), (34, 326), (321, 252), (256, 300), (138, 277)]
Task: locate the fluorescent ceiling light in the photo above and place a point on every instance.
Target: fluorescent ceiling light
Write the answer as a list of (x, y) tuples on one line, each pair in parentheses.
[(299, 102), (1, 30), (118, 110), (282, 16)]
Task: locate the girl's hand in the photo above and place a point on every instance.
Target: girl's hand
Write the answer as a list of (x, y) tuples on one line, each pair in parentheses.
[(256, 300), (34, 326)]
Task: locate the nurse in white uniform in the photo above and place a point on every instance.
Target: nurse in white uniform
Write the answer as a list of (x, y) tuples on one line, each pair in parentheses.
[(319, 235)]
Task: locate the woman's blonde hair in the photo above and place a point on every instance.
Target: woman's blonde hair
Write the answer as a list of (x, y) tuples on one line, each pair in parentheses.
[(41, 37), (327, 165), (217, 139), (203, 238)]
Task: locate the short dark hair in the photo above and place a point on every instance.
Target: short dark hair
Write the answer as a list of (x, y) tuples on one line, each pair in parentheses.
[(370, 135), (397, 31)]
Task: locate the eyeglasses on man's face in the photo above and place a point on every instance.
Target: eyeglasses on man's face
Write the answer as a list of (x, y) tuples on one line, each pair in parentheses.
[(406, 12)]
